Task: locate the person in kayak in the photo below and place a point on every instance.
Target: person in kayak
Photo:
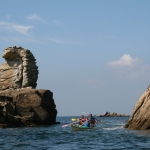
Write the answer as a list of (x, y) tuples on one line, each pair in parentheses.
[(83, 118), (79, 122), (86, 123), (92, 120)]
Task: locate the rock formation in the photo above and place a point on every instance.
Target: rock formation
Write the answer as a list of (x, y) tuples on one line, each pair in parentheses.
[(27, 107), (114, 114), (19, 70), (20, 103), (140, 117)]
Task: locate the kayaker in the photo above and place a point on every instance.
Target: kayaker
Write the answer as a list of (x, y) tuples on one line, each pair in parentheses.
[(79, 122), (92, 120), (86, 123), (83, 118)]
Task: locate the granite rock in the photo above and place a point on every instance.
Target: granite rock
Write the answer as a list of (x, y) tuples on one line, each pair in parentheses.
[(21, 104), (140, 117), (27, 107), (114, 114), (19, 70)]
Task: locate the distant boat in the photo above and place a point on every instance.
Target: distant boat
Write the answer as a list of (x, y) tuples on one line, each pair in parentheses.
[(76, 127)]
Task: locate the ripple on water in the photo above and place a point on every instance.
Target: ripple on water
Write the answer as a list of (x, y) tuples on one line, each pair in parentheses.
[(112, 135)]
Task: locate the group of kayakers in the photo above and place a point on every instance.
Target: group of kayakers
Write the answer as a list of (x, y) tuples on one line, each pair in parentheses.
[(87, 122)]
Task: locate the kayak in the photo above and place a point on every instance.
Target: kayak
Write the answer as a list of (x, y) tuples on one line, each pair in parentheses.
[(76, 127)]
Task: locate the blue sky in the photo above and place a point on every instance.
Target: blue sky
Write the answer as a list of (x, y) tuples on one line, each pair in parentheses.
[(92, 54)]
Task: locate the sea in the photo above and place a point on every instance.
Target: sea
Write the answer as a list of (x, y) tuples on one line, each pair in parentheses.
[(109, 135)]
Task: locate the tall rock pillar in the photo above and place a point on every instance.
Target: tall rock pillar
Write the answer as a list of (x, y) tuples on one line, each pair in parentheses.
[(21, 104)]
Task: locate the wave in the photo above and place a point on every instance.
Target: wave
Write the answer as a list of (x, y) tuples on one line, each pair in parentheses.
[(113, 128)]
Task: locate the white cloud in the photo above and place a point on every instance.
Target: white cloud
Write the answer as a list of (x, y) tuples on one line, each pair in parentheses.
[(57, 41), (35, 17), (38, 18), (15, 27), (129, 67), (62, 41), (125, 61)]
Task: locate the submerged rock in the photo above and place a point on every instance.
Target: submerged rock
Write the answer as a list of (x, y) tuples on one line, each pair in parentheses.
[(140, 117)]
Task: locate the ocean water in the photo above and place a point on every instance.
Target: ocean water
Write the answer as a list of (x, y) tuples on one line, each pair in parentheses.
[(108, 136)]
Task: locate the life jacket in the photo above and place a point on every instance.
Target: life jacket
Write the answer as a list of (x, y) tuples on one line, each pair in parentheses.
[(92, 120), (78, 122), (83, 119), (86, 124)]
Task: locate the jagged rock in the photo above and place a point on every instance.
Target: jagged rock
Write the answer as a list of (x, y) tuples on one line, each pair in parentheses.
[(19, 70), (114, 114), (27, 107), (140, 117)]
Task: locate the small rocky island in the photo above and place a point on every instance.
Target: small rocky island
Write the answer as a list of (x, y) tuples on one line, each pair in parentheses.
[(21, 104), (140, 117), (114, 114)]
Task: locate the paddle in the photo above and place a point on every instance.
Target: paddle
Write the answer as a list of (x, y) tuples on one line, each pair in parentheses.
[(84, 113), (101, 121), (87, 115), (66, 125), (74, 119)]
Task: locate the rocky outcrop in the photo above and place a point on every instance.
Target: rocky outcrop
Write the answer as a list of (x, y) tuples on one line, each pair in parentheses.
[(27, 107), (20, 103), (19, 70), (140, 117), (114, 114)]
